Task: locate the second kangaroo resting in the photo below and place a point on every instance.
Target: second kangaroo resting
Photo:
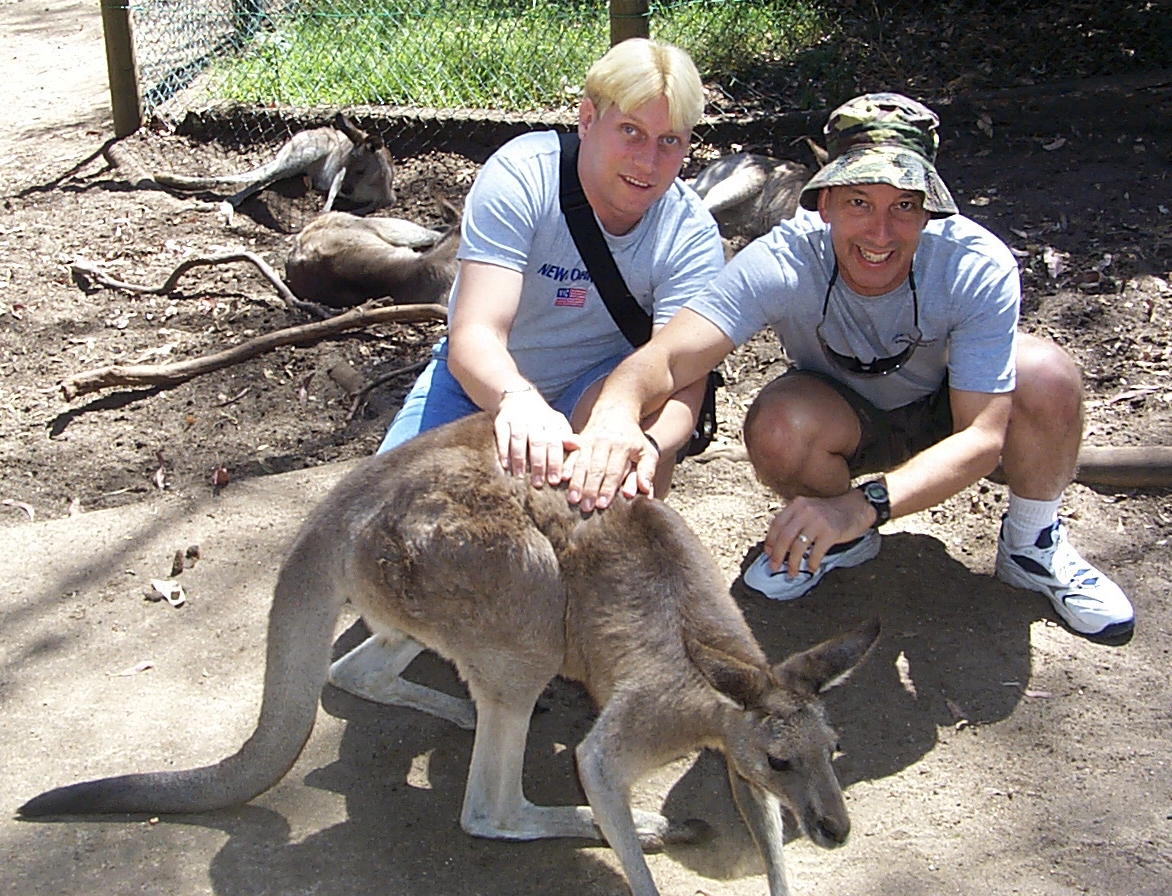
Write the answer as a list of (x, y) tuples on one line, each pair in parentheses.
[(339, 160), (515, 586), (342, 260)]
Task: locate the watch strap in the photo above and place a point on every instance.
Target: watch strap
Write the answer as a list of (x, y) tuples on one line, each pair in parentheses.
[(875, 492)]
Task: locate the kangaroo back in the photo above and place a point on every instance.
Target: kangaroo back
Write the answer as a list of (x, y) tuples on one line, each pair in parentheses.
[(342, 260), (297, 155), (748, 193)]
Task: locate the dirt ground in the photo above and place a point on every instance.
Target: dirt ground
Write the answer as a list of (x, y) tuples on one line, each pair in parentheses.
[(986, 748)]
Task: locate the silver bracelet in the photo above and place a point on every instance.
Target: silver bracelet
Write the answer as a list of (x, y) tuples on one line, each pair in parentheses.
[(506, 392)]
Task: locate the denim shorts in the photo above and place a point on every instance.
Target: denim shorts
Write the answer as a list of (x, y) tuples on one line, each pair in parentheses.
[(891, 437), (438, 398)]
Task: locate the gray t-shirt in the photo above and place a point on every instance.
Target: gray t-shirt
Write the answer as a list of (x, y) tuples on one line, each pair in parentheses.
[(512, 218), (968, 290)]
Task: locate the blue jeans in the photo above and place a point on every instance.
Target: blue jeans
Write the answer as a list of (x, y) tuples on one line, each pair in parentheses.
[(437, 398)]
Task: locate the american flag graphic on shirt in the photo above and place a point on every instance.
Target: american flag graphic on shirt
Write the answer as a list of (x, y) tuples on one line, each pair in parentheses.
[(570, 297)]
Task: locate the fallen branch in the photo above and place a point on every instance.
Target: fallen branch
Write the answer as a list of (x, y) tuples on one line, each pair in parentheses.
[(85, 274), (1131, 466), (178, 372)]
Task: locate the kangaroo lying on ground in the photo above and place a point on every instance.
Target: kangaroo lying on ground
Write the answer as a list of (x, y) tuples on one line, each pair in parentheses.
[(342, 260), (749, 193), (339, 160), (515, 586)]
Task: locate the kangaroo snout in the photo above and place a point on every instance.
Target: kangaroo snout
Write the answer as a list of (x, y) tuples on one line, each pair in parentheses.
[(829, 832)]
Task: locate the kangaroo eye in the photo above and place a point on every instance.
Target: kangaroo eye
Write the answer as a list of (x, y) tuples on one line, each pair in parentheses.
[(780, 765)]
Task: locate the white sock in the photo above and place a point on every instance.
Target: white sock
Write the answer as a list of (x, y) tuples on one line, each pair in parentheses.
[(1026, 519)]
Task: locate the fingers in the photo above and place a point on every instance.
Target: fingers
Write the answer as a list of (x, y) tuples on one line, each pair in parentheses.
[(645, 473), (587, 482), (533, 443), (630, 486), (503, 433), (546, 455), (797, 534), (809, 527), (518, 451), (603, 469)]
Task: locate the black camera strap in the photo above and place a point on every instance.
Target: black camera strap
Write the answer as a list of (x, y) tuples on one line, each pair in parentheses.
[(628, 314), (632, 320)]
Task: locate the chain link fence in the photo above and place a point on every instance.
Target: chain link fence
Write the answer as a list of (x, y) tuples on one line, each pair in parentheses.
[(253, 70)]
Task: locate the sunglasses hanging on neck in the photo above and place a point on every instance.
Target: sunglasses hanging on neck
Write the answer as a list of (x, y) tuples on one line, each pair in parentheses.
[(878, 366)]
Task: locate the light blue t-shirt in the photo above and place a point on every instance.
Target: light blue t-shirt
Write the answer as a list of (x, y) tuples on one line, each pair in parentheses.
[(513, 218), (968, 290)]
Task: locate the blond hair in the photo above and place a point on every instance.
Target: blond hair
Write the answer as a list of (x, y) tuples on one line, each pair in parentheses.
[(637, 71)]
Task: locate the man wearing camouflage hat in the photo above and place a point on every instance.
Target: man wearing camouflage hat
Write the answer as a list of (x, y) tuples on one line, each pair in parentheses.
[(899, 319)]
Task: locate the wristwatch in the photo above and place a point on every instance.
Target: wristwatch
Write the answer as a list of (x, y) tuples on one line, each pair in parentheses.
[(875, 492)]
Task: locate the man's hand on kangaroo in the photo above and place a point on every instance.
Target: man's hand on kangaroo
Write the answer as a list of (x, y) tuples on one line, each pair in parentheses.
[(614, 456)]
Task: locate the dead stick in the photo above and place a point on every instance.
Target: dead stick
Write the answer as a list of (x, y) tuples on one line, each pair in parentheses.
[(1131, 466), (172, 374), (84, 272)]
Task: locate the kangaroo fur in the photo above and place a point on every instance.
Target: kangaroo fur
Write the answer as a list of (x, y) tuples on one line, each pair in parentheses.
[(515, 586)]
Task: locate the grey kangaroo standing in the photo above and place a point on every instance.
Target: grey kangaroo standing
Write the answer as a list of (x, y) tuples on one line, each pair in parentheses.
[(515, 586), (339, 160)]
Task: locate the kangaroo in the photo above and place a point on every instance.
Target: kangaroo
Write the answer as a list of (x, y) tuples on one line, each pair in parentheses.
[(339, 160), (515, 586), (749, 193), (342, 260)]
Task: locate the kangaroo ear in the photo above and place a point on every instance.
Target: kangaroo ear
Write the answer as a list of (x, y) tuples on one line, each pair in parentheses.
[(742, 682), (343, 123), (820, 668)]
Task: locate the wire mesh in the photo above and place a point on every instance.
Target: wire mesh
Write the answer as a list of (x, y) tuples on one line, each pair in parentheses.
[(264, 67)]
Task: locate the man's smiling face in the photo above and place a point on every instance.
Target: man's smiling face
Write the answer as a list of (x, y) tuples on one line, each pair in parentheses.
[(628, 160), (875, 229)]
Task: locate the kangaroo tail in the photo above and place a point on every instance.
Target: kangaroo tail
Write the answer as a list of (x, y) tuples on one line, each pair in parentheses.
[(184, 182), (305, 609)]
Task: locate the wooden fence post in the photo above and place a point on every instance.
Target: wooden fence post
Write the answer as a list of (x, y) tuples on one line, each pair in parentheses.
[(629, 18), (125, 102)]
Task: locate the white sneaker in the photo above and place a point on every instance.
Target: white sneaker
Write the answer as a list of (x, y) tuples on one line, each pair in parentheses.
[(1086, 600), (780, 586)]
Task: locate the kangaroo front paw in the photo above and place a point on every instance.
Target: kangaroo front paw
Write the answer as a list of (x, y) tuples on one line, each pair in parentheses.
[(656, 831)]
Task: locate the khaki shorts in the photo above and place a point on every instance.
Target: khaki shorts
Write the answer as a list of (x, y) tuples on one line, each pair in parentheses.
[(891, 437)]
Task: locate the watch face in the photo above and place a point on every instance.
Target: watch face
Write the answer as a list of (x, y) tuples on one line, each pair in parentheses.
[(876, 494)]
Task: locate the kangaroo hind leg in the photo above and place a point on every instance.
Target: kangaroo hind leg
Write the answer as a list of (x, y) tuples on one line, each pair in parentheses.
[(372, 671), (494, 802)]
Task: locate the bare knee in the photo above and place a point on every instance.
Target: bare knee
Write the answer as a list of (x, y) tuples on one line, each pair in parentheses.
[(1049, 384), (777, 444), (798, 434)]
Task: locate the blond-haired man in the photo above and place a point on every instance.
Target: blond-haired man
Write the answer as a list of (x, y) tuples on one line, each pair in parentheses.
[(529, 337)]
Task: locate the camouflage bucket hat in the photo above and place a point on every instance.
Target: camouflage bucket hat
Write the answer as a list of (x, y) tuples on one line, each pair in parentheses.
[(883, 138)]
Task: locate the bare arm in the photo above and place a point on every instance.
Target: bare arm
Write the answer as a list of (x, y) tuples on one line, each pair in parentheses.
[(529, 433), (612, 441), (980, 421), (930, 477)]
